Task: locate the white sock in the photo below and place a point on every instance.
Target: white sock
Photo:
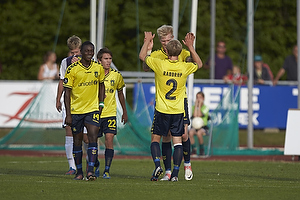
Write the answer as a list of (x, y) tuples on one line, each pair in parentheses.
[(69, 151)]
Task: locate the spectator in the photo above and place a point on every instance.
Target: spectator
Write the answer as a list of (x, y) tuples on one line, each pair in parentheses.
[(223, 62), (289, 66), (261, 74), (265, 65), (236, 77), (48, 70), (200, 110)]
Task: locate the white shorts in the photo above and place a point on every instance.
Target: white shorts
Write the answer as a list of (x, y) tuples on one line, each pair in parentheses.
[(63, 112)]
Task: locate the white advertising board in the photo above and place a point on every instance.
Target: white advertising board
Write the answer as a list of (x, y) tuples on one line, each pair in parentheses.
[(292, 136), (17, 96)]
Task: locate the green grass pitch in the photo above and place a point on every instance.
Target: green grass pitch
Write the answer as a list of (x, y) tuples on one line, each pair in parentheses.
[(43, 178)]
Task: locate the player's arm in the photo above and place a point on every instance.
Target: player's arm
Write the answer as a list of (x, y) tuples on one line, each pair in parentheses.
[(122, 102), (148, 38), (67, 101), (60, 86), (189, 41), (146, 68), (101, 96), (60, 89)]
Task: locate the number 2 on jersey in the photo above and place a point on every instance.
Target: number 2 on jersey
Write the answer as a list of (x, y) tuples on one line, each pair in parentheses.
[(172, 82)]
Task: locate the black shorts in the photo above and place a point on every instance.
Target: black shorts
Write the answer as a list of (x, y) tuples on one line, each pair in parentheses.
[(108, 125), (162, 123), (186, 119), (78, 121)]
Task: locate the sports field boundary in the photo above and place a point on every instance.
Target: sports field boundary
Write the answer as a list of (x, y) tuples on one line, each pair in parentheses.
[(283, 158)]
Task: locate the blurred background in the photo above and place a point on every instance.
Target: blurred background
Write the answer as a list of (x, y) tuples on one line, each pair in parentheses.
[(28, 29)]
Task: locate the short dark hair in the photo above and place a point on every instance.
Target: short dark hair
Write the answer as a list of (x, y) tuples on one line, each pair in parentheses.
[(86, 43), (103, 51)]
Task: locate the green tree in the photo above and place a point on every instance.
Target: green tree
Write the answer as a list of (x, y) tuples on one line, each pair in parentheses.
[(28, 29)]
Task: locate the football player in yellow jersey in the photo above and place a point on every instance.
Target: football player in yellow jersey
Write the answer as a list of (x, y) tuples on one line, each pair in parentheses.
[(165, 34), (84, 89), (170, 75), (74, 44), (108, 125)]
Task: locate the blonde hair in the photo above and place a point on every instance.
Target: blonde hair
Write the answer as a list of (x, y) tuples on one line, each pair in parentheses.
[(164, 30), (74, 42), (174, 48)]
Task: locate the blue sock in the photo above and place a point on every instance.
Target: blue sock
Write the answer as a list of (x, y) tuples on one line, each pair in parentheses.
[(77, 152), (155, 152), (92, 155), (97, 163), (177, 158), (109, 154), (166, 149), (186, 146)]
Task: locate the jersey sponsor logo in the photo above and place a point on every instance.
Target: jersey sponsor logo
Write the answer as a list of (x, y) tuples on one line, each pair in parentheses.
[(88, 83), (109, 90), (172, 74)]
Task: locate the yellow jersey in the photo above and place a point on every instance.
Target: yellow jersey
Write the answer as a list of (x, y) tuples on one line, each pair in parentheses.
[(113, 82), (161, 54), (84, 85), (170, 79)]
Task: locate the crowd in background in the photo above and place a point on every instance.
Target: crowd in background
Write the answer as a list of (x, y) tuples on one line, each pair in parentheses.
[(224, 68), (262, 74)]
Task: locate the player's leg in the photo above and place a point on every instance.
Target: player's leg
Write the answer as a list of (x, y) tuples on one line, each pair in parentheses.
[(177, 130), (155, 152), (85, 146), (186, 144), (109, 153), (177, 157), (166, 149), (159, 129), (77, 128), (109, 128), (186, 147), (92, 125), (77, 151), (68, 144), (69, 151)]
